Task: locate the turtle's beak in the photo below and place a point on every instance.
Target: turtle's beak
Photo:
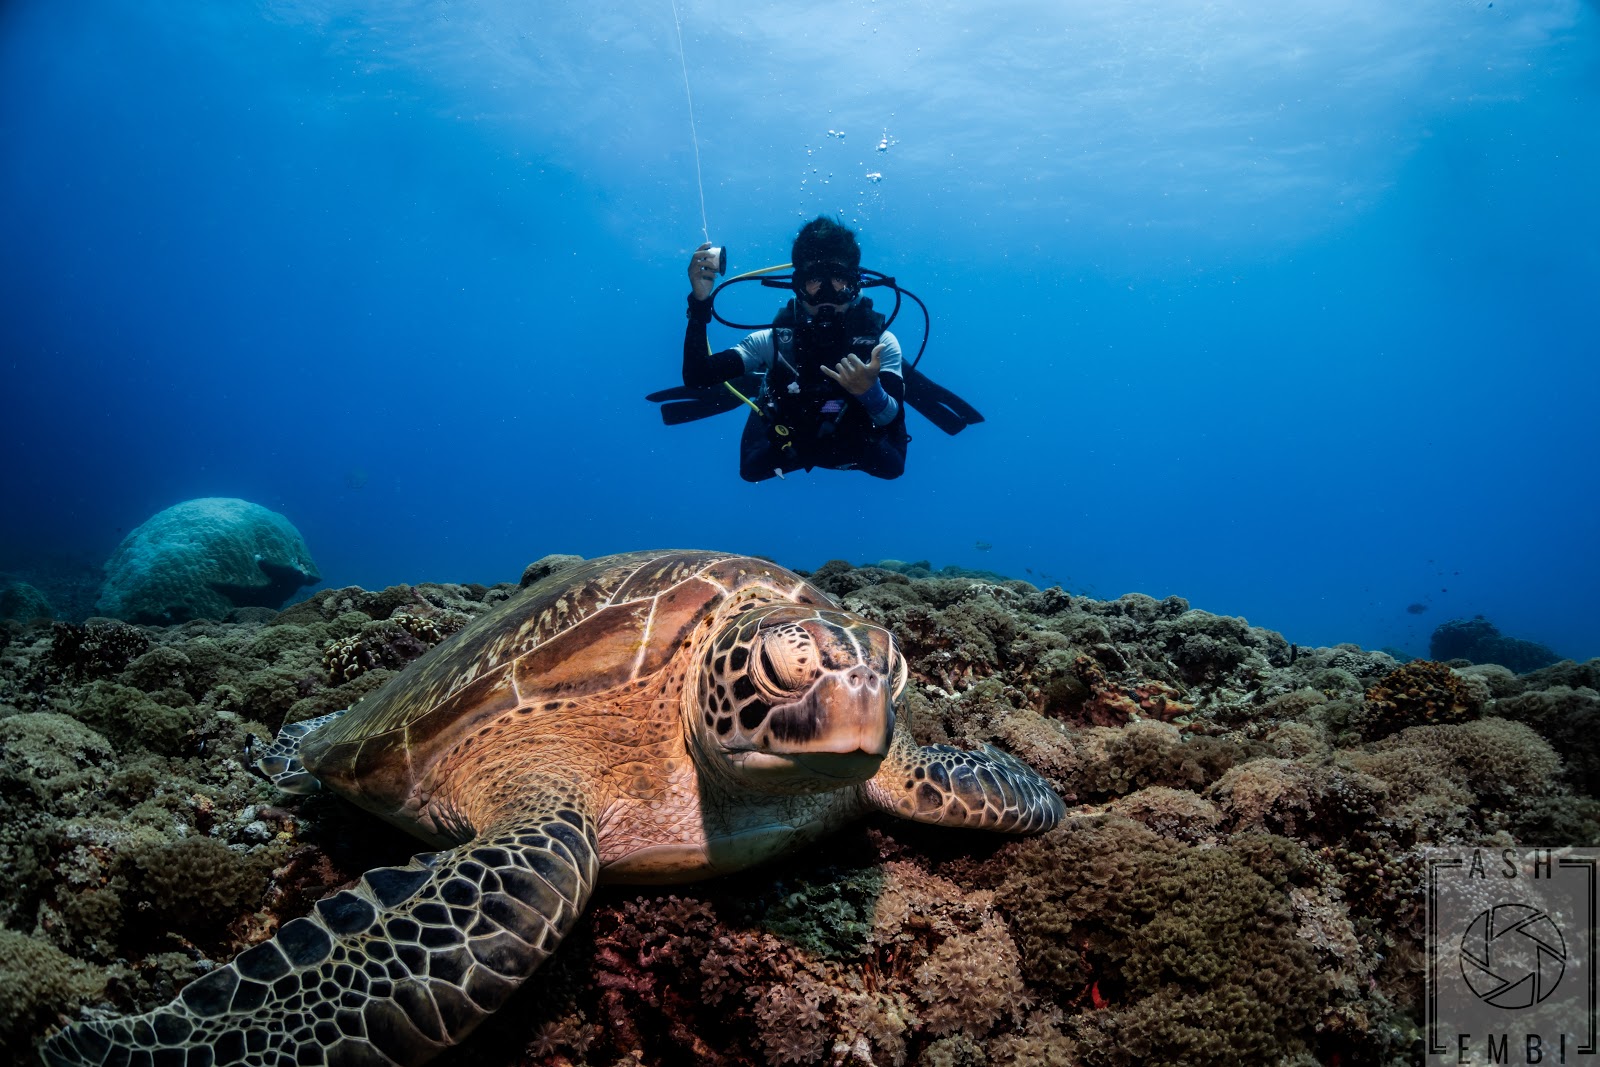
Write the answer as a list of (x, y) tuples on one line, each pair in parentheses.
[(836, 734), (844, 713)]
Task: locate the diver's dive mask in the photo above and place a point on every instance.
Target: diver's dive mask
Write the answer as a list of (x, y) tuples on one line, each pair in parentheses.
[(827, 283)]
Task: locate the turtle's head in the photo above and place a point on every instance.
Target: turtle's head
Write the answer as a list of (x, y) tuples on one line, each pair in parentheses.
[(796, 699)]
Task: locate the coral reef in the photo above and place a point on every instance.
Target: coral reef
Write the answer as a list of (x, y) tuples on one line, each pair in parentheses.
[(391, 643), (97, 649), (1570, 719), (203, 558), (1420, 692), (1477, 640), (1238, 880)]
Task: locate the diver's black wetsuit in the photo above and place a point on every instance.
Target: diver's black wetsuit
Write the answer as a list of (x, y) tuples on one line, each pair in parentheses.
[(807, 419)]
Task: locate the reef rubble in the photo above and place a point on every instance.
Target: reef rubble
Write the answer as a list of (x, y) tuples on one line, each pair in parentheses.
[(1238, 880)]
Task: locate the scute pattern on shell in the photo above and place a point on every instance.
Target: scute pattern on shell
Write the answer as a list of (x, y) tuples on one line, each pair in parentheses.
[(583, 630)]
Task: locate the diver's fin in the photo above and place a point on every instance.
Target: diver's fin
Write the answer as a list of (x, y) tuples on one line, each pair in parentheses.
[(690, 403), (937, 404)]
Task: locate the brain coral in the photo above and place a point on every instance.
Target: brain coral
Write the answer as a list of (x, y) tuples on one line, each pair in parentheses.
[(202, 559)]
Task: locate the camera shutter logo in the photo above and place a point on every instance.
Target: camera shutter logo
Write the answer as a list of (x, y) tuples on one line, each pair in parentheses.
[(1513, 956)]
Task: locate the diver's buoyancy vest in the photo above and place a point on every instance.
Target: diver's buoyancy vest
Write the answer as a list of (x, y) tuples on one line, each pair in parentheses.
[(798, 395)]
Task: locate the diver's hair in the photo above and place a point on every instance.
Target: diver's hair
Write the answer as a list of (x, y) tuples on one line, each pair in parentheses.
[(825, 240)]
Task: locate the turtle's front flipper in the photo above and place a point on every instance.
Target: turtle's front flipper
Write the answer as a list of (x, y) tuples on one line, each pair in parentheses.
[(388, 973), (279, 761), (985, 789)]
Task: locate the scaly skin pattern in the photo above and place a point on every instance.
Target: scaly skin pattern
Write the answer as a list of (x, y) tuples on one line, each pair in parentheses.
[(388, 973), (654, 717), (985, 790)]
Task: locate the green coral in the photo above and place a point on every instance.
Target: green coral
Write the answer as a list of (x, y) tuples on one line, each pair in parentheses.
[(54, 757), (131, 717), (830, 918), (197, 885), (38, 984)]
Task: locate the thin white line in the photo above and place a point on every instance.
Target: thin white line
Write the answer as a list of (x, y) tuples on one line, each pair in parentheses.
[(694, 134)]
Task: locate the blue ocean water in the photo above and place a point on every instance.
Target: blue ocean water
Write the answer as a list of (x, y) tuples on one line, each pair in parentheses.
[(1290, 310)]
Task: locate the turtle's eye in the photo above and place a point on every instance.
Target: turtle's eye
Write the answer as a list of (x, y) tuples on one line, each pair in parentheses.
[(899, 669), (787, 664)]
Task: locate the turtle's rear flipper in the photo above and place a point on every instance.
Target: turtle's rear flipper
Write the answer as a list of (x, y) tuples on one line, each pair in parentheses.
[(391, 972), (985, 789), (279, 762)]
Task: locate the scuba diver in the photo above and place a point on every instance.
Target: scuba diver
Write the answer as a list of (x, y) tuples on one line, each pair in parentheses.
[(829, 382)]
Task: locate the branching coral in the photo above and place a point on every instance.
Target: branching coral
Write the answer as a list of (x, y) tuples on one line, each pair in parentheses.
[(1309, 800), (1210, 647), (391, 643), (97, 649), (1454, 783), (197, 885)]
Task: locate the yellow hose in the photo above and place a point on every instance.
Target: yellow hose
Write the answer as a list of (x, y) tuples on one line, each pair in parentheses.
[(729, 385)]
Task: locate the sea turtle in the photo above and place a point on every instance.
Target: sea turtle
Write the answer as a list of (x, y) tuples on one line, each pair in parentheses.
[(649, 717)]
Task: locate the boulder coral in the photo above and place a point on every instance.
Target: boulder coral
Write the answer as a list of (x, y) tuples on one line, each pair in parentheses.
[(21, 602), (202, 559), (1477, 640), (1237, 880)]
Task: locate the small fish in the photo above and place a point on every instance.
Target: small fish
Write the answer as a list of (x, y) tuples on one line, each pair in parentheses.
[(1416, 609), (983, 546)]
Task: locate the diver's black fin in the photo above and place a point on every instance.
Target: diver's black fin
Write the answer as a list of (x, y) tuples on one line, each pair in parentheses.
[(690, 403), (937, 404)]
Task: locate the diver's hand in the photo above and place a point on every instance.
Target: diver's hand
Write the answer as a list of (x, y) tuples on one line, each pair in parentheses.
[(856, 377), (702, 271)]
